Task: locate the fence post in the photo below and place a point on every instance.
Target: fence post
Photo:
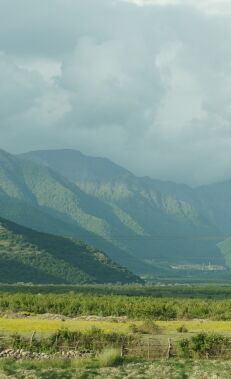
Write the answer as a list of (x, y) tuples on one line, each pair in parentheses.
[(169, 352), (148, 348), (122, 350), (32, 337)]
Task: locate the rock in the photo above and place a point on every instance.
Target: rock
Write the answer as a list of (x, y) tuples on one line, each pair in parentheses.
[(21, 354)]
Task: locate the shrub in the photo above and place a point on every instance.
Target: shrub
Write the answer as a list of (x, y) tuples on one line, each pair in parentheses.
[(64, 339), (204, 345), (182, 329), (114, 320), (149, 327), (133, 328)]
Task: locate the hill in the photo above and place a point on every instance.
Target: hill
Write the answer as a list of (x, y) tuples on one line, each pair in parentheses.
[(172, 223), (30, 256), (36, 196), (152, 227)]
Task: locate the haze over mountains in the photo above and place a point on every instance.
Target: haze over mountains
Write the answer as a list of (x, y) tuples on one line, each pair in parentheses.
[(150, 226)]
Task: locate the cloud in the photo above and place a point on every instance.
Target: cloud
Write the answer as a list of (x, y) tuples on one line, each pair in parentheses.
[(111, 88), (210, 7), (147, 86)]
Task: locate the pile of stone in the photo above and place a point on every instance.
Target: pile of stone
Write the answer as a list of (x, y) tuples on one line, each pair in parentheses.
[(21, 354)]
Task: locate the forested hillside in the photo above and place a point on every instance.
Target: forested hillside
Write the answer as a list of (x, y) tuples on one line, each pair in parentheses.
[(151, 227), (30, 256), (173, 223), (36, 196)]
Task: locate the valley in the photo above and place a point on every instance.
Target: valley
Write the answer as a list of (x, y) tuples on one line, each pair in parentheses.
[(156, 229)]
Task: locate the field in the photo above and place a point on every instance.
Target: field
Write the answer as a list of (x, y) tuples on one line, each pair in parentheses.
[(158, 369), (157, 290), (25, 325), (148, 329)]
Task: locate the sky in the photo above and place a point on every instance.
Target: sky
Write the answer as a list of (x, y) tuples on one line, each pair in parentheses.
[(146, 83)]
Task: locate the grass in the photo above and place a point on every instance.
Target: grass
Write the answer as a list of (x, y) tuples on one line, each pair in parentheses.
[(109, 357), (196, 325), (143, 369)]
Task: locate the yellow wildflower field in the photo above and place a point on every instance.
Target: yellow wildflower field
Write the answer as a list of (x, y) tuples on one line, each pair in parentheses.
[(196, 325), (30, 324), (43, 326)]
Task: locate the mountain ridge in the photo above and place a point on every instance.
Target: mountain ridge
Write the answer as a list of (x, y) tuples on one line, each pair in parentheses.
[(152, 206), (144, 224), (30, 256)]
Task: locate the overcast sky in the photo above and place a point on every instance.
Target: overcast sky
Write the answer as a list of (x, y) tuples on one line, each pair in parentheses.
[(146, 83)]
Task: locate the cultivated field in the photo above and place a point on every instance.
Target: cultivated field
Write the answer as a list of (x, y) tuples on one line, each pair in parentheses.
[(126, 335)]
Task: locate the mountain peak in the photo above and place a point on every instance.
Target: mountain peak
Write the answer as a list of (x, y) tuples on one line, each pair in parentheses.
[(77, 166)]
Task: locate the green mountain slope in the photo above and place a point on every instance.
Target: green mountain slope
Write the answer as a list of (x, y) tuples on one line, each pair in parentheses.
[(162, 223), (30, 256), (35, 196), (216, 203)]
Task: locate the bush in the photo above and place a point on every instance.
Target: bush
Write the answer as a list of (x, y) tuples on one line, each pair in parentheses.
[(182, 329), (204, 345), (64, 339), (133, 328), (149, 327), (109, 357)]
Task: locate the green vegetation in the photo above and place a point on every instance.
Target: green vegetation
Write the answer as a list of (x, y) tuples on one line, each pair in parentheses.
[(205, 345), (185, 291), (127, 217), (182, 329), (65, 369), (63, 340), (109, 357), (148, 327), (88, 369), (146, 338), (37, 197), (27, 255), (134, 307), (186, 220)]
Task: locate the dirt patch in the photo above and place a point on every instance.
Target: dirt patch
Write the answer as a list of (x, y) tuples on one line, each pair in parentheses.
[(51, 316)]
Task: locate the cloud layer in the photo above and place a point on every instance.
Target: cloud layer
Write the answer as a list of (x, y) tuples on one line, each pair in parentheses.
[(145, 83)]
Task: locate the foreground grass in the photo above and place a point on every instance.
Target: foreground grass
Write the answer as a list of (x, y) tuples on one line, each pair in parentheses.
[(147, 369)]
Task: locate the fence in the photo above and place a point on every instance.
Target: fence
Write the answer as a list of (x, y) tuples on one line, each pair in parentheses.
[(148, 347)]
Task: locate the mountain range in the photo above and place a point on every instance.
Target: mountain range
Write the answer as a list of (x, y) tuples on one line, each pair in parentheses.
[(152, 227)]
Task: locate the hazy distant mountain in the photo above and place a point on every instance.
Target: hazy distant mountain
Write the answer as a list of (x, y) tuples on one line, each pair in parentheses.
[(30, 256), (171, 222), (76, 166)]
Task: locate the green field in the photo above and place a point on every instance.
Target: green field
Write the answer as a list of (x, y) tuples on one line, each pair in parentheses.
[(203, 291), (135, 307), (140, 320)]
